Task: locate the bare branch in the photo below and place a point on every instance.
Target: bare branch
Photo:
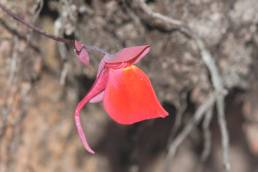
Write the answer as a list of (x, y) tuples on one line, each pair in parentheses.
[(224, 131), (207, 134), (200, 112), (153, 18), (221, 92), (157, 20)]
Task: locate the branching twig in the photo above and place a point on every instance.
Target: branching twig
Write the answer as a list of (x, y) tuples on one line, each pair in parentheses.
[(221, 92), (224, 131), (190, 125), (200, 112), (157, 20), (179, 116)]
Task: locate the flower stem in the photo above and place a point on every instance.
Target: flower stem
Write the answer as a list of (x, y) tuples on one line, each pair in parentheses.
[(34, 28)]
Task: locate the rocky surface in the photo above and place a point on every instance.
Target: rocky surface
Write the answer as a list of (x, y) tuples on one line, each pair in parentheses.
[(36, 122)]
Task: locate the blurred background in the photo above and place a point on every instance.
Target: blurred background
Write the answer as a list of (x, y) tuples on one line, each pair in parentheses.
[(41, 82)]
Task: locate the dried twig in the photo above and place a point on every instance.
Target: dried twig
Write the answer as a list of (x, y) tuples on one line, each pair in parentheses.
[(221, 92), (179, 118), (223, 130), (157, 20), (200, 112), (207, 134)]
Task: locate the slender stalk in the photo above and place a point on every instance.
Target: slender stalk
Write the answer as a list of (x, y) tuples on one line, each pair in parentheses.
[(34, 28)]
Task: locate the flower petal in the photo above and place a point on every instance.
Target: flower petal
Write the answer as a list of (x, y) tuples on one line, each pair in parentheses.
[(133, 54), (96, 89), (98, 98), (81, 52), (129, 97)]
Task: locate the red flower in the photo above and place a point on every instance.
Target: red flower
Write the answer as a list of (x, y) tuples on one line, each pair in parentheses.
[(126, 91)]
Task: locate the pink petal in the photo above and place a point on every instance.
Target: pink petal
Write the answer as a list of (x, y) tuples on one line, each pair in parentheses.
[(98, 98), (96, 89), (81, 52), (101, 66)]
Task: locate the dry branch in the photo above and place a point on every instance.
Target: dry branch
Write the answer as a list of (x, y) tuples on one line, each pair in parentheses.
[(200, 112), (207, 134)]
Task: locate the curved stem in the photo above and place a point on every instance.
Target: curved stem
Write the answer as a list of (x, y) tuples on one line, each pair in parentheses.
[(83, 138), (97, 88)]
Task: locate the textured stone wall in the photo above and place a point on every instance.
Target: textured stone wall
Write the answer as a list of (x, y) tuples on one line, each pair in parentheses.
[(41, 82)]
